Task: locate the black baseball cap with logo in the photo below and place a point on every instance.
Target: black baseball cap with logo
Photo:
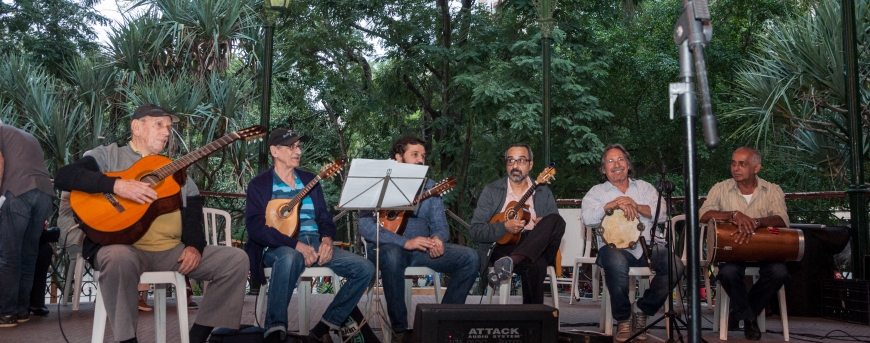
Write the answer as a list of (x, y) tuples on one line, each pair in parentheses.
[(151, 110), (285, 137)]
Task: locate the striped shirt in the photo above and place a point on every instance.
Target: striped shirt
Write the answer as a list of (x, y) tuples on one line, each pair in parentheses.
[(281, 190), (767, 200)]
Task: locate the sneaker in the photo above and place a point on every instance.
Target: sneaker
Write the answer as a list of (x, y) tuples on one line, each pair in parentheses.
[(501, 270), (9, 321), (143, 305), (639, 323), (23, 318), (192, 305), (623, 331), (326, 338)]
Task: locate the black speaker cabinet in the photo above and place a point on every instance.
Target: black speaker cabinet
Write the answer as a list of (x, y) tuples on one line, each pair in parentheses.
[(485, 323)]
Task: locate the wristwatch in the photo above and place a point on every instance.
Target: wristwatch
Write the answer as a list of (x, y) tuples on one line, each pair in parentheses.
[(757, 222)]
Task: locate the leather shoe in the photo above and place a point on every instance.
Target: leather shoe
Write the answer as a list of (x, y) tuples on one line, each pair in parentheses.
[(9, 321), (751, 330), (39, 311), (733, 323)]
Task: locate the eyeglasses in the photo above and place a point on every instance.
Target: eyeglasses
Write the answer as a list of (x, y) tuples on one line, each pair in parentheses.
[(520, 161), (612, 161), (295, 146)]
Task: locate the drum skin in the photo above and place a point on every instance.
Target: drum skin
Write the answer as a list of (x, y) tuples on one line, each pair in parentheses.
[(767, 244), (618, 232)]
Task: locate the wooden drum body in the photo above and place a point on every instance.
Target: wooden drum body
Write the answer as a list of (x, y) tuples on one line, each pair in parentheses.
[(618, 232), (767, 244)]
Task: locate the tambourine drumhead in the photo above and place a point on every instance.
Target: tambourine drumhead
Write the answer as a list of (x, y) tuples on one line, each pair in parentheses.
[(619, 232)]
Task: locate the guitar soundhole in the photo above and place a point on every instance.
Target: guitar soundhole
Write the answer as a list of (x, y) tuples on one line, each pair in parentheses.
[(284, 211), (151, 179), (392, 215)]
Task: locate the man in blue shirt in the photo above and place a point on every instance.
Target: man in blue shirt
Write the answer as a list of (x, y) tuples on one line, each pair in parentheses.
[(287, 256), (637, 199), (424, 243)]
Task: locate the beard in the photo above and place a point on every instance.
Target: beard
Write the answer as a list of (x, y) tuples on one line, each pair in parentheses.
[(516, 175)]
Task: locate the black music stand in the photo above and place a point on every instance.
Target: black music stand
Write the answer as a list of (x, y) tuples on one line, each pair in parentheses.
[(380, 185)]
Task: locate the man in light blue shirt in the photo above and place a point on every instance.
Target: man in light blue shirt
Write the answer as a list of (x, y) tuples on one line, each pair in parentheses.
[(637, 199)]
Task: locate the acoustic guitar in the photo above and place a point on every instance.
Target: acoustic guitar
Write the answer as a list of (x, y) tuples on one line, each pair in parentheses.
[(283, 214), (519, 209), (397, 220), (108, 219)]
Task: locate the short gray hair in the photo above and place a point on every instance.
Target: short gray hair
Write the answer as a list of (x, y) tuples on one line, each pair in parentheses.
[(756, 155), (520, 145)]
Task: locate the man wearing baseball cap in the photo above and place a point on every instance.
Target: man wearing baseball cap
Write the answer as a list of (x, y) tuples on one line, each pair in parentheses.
[(175, 241), (287, 256)]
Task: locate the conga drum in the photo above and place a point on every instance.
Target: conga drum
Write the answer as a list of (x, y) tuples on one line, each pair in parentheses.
[(767, 244), (618, 232)]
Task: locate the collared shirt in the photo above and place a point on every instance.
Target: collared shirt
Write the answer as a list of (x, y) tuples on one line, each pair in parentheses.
[(642, 192), (767, 200), (510, 196)]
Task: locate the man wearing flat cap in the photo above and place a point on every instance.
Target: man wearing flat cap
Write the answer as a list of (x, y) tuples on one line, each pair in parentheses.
[(175, 241), (287, 256)]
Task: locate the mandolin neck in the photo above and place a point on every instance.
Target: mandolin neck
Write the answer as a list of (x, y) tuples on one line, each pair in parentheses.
[(525, 197)]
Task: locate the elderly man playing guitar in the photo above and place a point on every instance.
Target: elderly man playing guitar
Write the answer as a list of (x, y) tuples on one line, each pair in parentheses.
[(307, 241), (632, 200), (517, 220), (173, 241), (422, 240)]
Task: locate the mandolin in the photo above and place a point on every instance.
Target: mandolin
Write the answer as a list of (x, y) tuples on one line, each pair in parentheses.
[(283, 214), (396, 220), (519, 209), (108, 219)]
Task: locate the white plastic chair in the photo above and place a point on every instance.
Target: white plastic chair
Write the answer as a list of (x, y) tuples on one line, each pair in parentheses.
[(211, 223), (577, 245), (705, 266), (504, 289), (303, 290), (159, 280), (720, 316), (606, 320)]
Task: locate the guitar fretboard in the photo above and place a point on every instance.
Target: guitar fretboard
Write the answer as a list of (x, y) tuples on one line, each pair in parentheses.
[(196, 155)]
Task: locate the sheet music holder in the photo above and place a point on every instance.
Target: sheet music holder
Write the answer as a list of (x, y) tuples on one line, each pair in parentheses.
[(380, 185)]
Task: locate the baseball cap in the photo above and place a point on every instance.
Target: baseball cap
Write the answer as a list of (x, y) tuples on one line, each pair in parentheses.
[(152, 110), (285, 137)]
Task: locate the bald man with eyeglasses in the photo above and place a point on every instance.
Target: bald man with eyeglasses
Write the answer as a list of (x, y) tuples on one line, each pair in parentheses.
[(540, 236)]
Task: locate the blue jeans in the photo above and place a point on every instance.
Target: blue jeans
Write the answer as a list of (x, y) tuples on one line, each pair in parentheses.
[(21, 223), (748, 305), (287, 264), (461, 261), (616, 263)]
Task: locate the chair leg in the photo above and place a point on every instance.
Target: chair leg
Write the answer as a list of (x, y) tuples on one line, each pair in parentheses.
[(608, 313), (408, 297), (438, 295), (762, 324), (489, 292), (709, 295), (554, 286), (783, 313), (723, 304), (304, 288), (575, 280), (596, 282), (181, 306), (261, 303), (80, 274), (160, 313), (100, 316), (504, 292)]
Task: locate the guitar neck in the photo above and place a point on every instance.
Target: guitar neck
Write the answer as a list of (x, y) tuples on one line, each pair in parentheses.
[(301, 195), (196, 155), (525, 197)]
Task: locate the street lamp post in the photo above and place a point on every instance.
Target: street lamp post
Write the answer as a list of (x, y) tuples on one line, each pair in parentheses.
[(545, 19), (270, 14)]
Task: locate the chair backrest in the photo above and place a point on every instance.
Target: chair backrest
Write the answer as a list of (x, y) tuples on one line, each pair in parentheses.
[(211, 217), (574, 241)]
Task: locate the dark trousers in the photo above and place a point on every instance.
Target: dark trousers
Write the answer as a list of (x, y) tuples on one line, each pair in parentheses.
[(748, 305), (43, 261), (539, 247)]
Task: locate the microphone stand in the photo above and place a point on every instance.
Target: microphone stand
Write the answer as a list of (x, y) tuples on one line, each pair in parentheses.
[(692, 32)]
